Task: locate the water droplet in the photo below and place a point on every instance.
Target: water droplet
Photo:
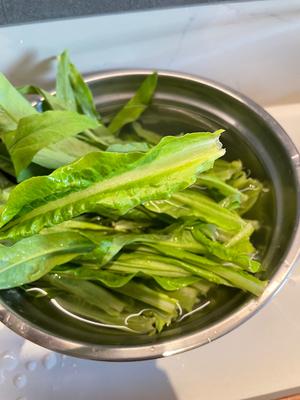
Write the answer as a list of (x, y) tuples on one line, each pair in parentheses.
[(20, 381), (8, 362), (74, 365), (50, 360), (31, 365)]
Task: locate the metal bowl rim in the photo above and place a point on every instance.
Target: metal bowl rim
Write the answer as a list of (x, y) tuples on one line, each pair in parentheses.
[(189, 341)]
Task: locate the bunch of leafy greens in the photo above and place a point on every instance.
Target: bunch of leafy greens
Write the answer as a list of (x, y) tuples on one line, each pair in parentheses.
[(130, 232)]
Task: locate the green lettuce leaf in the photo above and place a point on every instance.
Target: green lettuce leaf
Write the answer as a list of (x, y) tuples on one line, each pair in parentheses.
[(92, 293), (171, 284), (107, 245), (108, 183), (13, 106), (223, 190), (62, 153), (230, 275), (6, 164), (175, 235), (64, 90), (147, 295), (110, 244), (109, 279), (136, 105), (150, 265), (71, 89), (226, 253), (225, 170), (38, 131), (250, 187), (186, 296), (192, 203), (128, 147), (83, 94), (31, 258), (149, 136), (80, 225), (52, 101), (93, 313)]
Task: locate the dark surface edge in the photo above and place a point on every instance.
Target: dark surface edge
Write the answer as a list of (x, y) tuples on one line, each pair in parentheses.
[(26, 11)]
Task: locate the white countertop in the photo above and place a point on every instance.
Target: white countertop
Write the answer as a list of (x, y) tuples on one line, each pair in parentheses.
[(252, 47)]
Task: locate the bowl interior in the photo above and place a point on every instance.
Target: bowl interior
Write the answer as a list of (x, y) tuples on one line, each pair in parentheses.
[(183, 105)]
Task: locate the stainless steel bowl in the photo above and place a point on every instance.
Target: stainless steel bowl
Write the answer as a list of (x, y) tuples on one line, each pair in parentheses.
[(185, 103)]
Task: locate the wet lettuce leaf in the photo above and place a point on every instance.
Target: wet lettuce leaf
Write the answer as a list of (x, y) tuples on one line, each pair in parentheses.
[(136, 105), (31, 258), (197, 205), (129, 321), (52, 101), (230, 254), (145, 134), (13, 106), (108, 183), (39, 131), (229, 274), (83, 94), (62, 153), (128, 147), (64, 90), (109, 279), (6, 164)]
